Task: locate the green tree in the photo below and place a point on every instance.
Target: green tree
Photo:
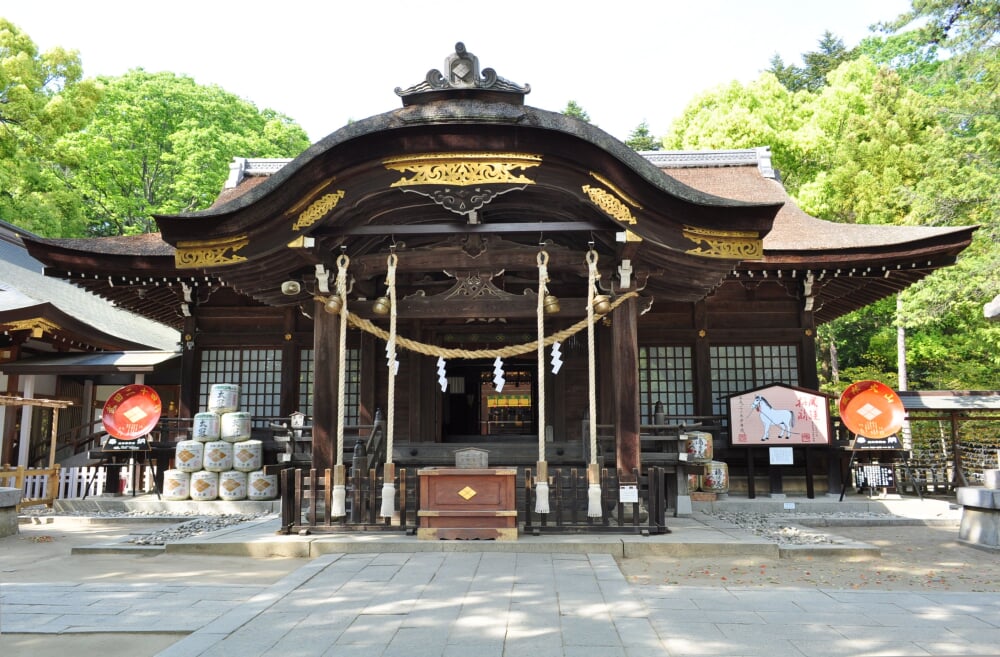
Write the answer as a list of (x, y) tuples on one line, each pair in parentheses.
[(42, 97), (160, 144), (573, 109), (817, 65), (641, 139), (734, 115)]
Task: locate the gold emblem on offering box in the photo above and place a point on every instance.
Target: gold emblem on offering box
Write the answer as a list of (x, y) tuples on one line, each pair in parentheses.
[(467, 493)]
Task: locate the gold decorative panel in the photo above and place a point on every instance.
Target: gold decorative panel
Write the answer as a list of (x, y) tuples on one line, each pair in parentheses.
[(610, 204), (210, 253), (468, 493), (728, 244), (461, 169), (318, 209), (37, 326), (610, 185)]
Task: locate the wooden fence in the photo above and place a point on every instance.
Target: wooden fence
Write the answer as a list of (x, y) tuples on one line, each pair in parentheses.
[(307, 497), (45, 485)]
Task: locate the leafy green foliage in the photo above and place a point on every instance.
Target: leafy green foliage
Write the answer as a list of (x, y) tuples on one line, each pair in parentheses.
[(42, 97), (905, 129), (160, 144)]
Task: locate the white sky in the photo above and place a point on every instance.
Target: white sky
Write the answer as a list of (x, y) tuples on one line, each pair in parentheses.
[(324, 63)]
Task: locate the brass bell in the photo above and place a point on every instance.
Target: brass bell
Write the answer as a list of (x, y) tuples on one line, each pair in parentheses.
[(334, 305), (381, 306), (551, 304), (602, 304)]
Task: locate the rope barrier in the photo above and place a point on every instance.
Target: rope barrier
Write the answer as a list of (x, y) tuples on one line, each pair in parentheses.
[(339, 501), (542, 479), (594, 489), (447, 353), (389, 474)]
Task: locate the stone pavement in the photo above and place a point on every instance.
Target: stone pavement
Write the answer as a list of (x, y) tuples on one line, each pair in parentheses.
[(563, 598)]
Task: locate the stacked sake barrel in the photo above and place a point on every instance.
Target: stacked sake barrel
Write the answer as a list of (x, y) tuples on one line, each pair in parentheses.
[(221, 461)]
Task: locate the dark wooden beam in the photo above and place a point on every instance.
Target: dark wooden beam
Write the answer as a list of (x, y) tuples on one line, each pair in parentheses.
[(399, 230)]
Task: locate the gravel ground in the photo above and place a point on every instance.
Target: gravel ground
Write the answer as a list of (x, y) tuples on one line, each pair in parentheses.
[(198, 524), (914, 558)]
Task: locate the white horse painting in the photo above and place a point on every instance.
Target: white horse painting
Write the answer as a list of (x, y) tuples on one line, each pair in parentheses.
[(771, 416)]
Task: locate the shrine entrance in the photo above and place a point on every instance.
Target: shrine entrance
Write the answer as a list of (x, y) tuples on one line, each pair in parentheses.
[(474, 409)]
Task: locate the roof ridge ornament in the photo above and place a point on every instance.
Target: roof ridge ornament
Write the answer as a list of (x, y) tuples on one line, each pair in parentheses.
[(461, 76)]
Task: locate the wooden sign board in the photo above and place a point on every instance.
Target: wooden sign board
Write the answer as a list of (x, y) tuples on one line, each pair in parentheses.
[(779, 415)]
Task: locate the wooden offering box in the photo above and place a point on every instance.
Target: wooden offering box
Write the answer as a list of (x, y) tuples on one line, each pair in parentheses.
[(467, 503)]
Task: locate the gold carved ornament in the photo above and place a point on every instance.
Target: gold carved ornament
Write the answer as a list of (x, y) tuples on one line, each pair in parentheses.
[(728, 244), (318, 209), (37, 326), (209, 253), (463, 169)]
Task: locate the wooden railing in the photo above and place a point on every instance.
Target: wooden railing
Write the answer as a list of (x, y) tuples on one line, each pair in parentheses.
[(16, 477), (307, 503)]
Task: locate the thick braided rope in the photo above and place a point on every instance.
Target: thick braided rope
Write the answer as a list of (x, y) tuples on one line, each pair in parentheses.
[(543, 277), (505, 352), (341, 286), (390, 281), (591, 365)]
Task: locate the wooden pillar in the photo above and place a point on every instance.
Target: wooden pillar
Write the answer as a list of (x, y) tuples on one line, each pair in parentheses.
[(289, 400), (366, 414), (702, 361), (187, 404), (625, 360), (326, 355), (807, 353)]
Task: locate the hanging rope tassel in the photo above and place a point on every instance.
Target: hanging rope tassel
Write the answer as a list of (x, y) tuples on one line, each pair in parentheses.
[(389, 475), (593, 479), (542, 480), (339, 501)]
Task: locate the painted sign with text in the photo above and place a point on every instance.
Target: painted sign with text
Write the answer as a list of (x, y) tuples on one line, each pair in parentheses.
[(779, 415)]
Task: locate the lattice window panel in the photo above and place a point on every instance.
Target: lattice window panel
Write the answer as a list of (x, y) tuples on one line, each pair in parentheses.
[(306, 379), (666, 374), (256, 371), (352, 391), (737, 368)]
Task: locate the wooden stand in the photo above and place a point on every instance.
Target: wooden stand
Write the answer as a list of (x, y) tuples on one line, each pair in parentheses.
[(467, 503)]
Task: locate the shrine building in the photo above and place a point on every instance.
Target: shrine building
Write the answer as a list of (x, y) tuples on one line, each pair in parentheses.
[(462, 226)]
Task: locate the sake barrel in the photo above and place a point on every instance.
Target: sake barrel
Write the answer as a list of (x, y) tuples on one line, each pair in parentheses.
[(218, 456), (188, 455), (176, 485), (224, 397), (698, 445), (206, 427), (261, 486), (235, 426), (716, 479), (248, 455), (694, 482), (204, 486), (232, 485)]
